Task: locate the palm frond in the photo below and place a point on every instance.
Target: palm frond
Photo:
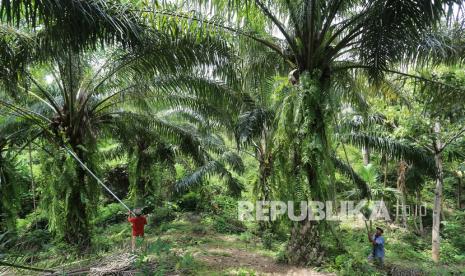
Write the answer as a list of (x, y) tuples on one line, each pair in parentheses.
[(349, 172), (251, 124), (399, 149), (99, 22), (391, 28), (219, 167)]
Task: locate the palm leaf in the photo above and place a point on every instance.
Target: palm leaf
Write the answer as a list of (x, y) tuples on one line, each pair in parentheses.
[(349, 172)]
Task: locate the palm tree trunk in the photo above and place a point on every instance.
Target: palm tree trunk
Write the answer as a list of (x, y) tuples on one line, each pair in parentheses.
[(265, 193), (76, 229), (305, 246), (33, 188), (437, 194)]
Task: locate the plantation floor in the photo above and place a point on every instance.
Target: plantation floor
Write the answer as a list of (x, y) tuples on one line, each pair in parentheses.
[(189, 246), (208, 253), (227, 254)]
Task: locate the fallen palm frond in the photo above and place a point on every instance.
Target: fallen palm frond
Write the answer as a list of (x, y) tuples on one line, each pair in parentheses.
[(115, 264)]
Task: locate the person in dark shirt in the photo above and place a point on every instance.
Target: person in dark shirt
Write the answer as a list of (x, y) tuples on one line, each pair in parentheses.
[(377, 240), (138, 222)]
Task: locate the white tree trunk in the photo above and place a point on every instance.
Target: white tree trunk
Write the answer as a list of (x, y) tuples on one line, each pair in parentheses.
[(459, 190), (366, 155), (420, 218), (415, 216), (401, 188), (404, 210)]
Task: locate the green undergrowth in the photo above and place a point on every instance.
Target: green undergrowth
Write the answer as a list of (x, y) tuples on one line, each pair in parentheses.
[(406, 253), (174, 246), (180, 243)]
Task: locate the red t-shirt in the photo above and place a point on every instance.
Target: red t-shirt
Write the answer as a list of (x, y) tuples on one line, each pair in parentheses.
[(137, 225)]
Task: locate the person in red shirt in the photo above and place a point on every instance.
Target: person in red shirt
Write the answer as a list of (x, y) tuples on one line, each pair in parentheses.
[(138, 223)]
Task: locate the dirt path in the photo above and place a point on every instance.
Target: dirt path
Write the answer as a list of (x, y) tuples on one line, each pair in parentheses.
[(224, 254), (223, 258)]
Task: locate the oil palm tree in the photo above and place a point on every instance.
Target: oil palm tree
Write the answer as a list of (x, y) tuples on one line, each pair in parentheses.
[(323, 39), (87, 100), (84, 101)]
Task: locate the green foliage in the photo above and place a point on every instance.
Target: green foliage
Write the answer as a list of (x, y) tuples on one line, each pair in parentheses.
[(165, 213), (58, 195), (246, 236), (160, 247), (168, 88), (268, 239), (100, 22), (189, 201), (110, 214), (226, 163), (351, 265), (222, 224), (5, 243), (34, 241), (187, 265), (199, 229), (12, 182), (223, 215), (166, 260), (142, 261), (117, 179), (282, 257), (454, 245)]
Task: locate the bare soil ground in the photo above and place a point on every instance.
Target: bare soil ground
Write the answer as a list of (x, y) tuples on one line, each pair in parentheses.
[(219, 259)]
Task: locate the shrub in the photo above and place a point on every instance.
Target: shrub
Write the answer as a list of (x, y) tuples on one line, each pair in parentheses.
[(453, 230), (281, 257), (267, 239), (33, 241), (189, 201), (226, 225), (187, 265), (166, 213), (199, 229), (348, 264), (246, 237), (224, 215)]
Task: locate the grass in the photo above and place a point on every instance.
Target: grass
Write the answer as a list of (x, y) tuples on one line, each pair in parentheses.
[(404, 250), (189, 243), (195, 248)]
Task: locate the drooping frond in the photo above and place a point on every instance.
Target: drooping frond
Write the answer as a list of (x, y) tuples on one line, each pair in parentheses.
[(392, 28), (394, 148), (77, 24), (16, 47), (252, 124), (349, 172), (218, 166), (441, 45)]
